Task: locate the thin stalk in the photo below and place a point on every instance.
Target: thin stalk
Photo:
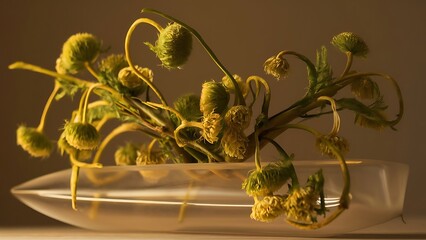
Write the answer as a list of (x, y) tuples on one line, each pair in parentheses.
[(34, 68), (47, 107), (267, 96), (239, 98), (125, 127)]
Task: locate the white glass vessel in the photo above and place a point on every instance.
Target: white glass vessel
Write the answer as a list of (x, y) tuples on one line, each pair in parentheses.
[(207, 198)]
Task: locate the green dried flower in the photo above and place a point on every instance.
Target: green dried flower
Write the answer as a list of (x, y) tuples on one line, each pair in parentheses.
[(227, 82), (303, 205), (82, 136), (65, 147), (350, 42), (268, 179), (234, 143), (129, 79), (212, 126), (276, 66), (269, 208), (214, 98), (189, 107), (173, 46), (109, 70), (126, 155), (325, 142), (150, 157), (33, 141), (377, 122), (78, 50), (365, 88), (238, 117)]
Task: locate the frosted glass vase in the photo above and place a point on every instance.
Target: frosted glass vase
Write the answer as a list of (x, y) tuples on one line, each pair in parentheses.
[(207, 198)]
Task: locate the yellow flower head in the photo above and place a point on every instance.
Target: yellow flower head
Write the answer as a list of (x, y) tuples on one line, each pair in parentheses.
[(234, 143), (276, 66), (238, 117), (269, 208), (212, 126)]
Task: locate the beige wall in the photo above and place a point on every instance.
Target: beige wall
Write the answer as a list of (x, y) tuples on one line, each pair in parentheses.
[(243, 34)]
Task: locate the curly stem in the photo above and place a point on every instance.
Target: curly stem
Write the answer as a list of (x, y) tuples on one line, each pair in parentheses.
[(239, 98), (129, 60)]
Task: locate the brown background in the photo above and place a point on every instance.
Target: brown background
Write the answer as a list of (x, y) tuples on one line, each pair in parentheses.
[(243, 34)]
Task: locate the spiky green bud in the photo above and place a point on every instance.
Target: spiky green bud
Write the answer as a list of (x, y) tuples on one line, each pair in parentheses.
[(126, 155), (79, 49), (65, 147), (276, 66), (82, 136), (268, 179), (189, 107), (214, 98), (350, 42), (173, 46), (34, 142)]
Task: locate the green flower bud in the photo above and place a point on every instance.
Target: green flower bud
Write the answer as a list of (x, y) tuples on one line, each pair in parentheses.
[(302, 206), (82, 136), (365, 88), (173, 46), (129, 84), (129, 79), (269, 208), (150, 157), (214, 98), (276, 66), (227, 82), (349, 42), (126, 155), (268, 179), (212, 126), (189, 107), (234, 143), (325, 142), (65, 147), (33, 141), (79, 49), (238, 117)]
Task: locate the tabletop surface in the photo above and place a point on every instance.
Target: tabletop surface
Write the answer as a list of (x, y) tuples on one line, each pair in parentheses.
[(413, 227)]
